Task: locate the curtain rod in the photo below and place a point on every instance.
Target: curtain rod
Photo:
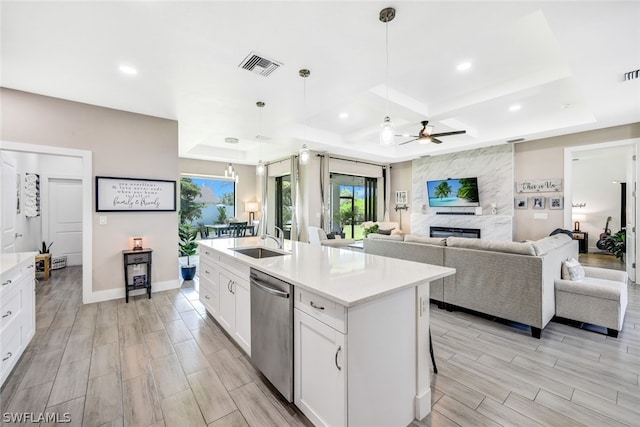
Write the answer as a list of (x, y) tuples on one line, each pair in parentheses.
[(354, 161)]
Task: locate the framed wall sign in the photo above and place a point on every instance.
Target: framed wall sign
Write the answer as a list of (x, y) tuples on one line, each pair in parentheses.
[(539, 186), (401, 198), (134, 195)]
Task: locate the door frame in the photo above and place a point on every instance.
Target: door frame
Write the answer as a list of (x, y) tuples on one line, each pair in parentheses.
[(633, 170), (87, 230)]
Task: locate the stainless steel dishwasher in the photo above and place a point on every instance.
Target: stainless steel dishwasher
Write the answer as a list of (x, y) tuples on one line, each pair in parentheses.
[(272, 330)]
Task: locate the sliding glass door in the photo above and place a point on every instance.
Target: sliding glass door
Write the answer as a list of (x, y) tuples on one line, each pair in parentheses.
[(353, 201), (283, 205)]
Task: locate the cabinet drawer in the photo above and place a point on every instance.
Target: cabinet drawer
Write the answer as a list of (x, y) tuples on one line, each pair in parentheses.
[(10, 345), (10, 307), (209, 270), (209, 294), (138, 258), (321, 308), (206, 253)]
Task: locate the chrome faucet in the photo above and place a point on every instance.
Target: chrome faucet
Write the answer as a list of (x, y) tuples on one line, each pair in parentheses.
[(278, 240)]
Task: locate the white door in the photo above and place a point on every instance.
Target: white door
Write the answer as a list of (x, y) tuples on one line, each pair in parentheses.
[(65, 219), (8, 198)]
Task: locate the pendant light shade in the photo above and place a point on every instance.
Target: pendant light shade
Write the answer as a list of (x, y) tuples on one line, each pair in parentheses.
[(260, 168), (260, 165), (304, 155), (387, 130)]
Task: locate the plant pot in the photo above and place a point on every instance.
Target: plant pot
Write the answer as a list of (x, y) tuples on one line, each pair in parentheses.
[(188, 272)]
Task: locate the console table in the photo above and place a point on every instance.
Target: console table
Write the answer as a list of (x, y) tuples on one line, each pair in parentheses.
[(141, 279), (583, 241)]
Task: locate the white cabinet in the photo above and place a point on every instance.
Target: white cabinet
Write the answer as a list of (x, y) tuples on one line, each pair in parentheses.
[(355, 366), (235, 308), (320, 371), (17, 309), (225, 293)]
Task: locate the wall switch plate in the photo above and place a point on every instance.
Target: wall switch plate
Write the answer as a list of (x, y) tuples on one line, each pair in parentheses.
[(541, 216), (103, 219)]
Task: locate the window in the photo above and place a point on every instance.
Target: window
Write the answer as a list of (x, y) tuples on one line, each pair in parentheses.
[(206, 200)]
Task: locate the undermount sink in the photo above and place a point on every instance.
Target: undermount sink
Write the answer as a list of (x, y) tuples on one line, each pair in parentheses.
[(258, 252)]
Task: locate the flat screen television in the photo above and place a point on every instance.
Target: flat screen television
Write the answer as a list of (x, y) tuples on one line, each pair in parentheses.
[(459, 192)]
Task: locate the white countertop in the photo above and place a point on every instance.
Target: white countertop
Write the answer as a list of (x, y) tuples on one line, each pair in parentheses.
[(8, 261), (344, 276)]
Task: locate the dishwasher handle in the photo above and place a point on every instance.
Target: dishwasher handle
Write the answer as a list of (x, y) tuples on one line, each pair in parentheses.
[(263, 286)]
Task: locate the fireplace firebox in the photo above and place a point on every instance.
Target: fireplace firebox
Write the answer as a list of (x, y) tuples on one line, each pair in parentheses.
[(473, 233)]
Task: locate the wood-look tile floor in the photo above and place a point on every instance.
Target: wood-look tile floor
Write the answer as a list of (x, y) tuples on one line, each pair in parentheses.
[(165, 362), (151, 362)]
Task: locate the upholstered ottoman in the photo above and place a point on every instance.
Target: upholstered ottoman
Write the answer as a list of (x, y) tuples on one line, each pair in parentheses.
[(600, 298)]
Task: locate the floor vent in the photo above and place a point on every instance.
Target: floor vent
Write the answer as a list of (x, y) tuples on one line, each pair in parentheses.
[(259, 65)]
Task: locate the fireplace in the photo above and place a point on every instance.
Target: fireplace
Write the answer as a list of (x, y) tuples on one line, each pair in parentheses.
[(473, 233)]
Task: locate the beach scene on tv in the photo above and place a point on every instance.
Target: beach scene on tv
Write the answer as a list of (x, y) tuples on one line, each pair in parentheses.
[(453, 192)]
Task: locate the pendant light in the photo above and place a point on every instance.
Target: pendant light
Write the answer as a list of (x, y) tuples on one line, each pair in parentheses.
[(260, 165), (230, 172), (387, 130), (304, 155)]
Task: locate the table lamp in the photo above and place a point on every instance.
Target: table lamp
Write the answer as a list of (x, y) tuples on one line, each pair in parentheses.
[(137, 243), (252, 208)]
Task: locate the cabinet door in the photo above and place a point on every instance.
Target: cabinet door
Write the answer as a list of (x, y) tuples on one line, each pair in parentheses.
[(227, 309), (242, 335), (320, 371), (28, 314)]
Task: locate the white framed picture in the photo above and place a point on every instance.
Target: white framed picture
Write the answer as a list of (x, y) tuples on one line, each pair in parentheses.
[(520, 203), (556, 202), (401, 197), (537, 202)]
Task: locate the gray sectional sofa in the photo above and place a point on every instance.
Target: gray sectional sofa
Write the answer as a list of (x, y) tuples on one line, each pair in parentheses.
[(509, 280)]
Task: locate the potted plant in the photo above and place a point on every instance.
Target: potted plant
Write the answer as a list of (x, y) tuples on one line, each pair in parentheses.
[(616, 244), (188, 246)]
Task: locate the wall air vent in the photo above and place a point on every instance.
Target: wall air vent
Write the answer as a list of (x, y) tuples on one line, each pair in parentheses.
[(259, 65), (632, 75), (513, 141)]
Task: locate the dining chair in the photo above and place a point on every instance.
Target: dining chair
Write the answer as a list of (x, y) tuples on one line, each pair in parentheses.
[(238, 229)]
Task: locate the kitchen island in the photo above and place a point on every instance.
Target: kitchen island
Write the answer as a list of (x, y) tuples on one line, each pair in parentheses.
[(361, 326)]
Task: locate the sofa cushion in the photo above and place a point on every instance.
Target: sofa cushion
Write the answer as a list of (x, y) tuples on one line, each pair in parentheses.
[(549, 243), (572, 270), (492, 245), (438, 241), (397, 237)]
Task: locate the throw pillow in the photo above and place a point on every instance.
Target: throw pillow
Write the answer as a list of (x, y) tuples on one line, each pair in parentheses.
[(572, 270), (386, 232)]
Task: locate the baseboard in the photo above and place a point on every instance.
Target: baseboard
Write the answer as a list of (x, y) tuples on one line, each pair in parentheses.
[(111, 294), (423, 404)]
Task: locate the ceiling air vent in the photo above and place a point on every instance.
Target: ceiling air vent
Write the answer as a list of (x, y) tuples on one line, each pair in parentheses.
[(259, 65)]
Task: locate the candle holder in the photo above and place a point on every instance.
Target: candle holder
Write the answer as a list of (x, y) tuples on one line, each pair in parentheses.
[(137, 243)]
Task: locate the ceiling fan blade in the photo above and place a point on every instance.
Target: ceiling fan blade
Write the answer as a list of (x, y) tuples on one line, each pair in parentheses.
[(406, 142), (407, 136), (455, 132), (435, 140)]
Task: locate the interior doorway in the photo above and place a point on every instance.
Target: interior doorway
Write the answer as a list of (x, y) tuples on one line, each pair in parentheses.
[(600, 198), (85, 173)]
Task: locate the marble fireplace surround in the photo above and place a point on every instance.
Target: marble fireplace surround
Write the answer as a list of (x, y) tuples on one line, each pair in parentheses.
[(493, 166)]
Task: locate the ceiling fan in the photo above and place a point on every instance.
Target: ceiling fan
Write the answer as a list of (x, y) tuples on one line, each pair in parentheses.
[(425, 135)]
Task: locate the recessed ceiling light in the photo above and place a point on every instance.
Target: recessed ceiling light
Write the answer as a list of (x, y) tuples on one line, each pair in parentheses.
[(128, 69), (463, 66), (344, 115), (515, 107)]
